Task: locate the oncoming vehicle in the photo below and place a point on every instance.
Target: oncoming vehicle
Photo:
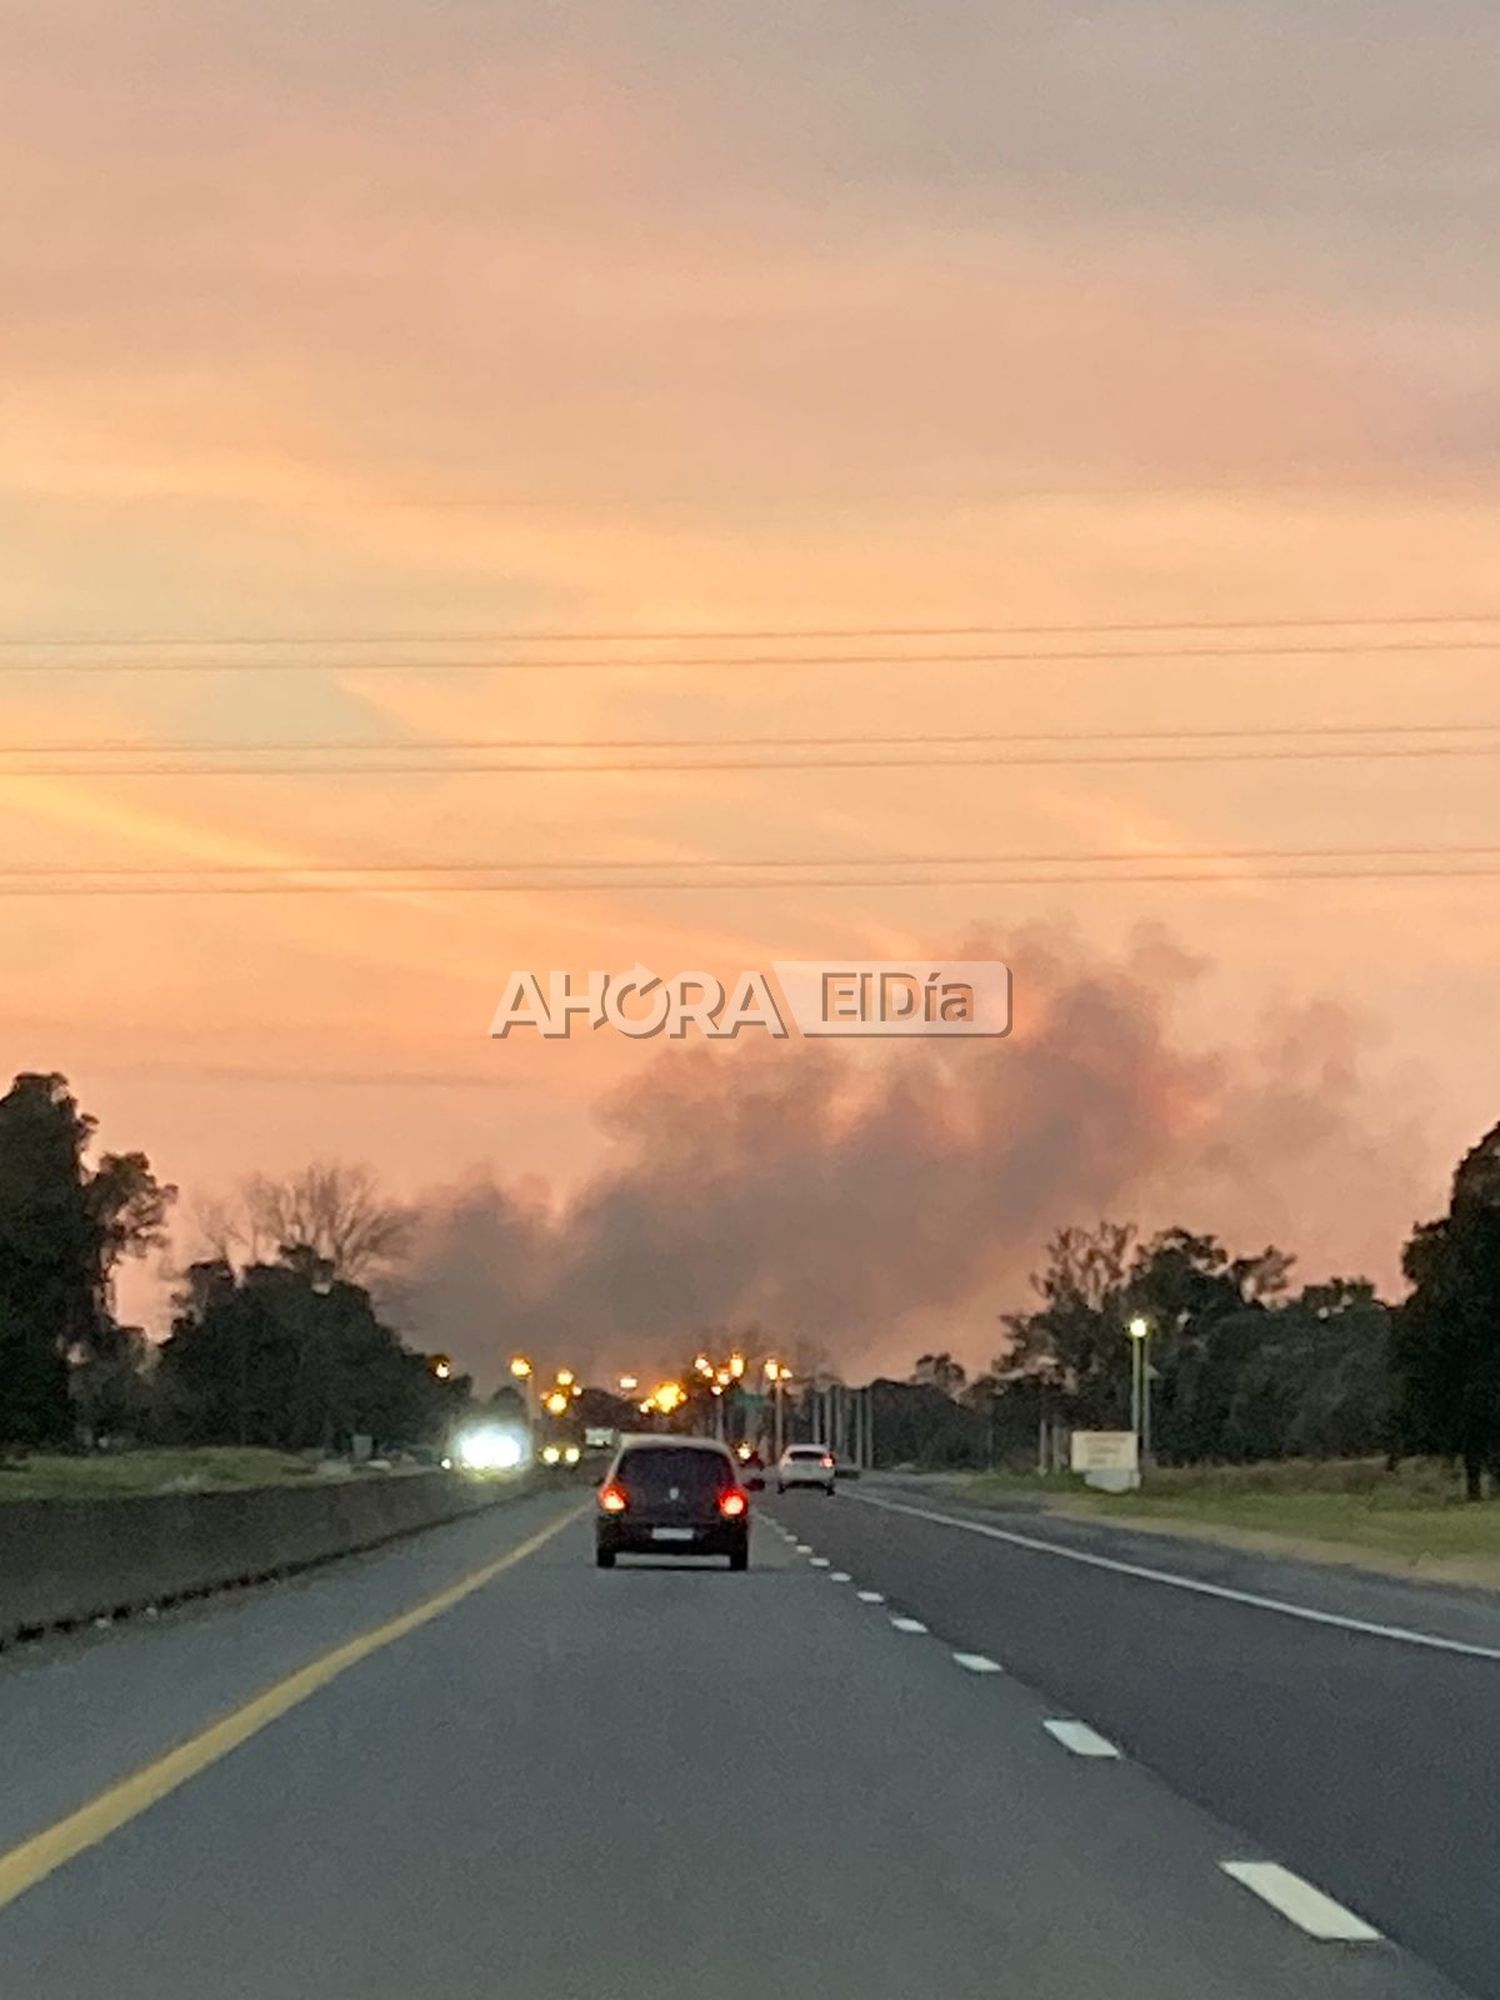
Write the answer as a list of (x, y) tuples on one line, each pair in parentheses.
[(560, 1454), (673, 1495), (806, 1465)]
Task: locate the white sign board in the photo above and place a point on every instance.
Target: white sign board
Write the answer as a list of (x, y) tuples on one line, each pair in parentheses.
[(1109, 1459)]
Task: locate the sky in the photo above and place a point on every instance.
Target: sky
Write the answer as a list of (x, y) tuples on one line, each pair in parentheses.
[(345, 345)]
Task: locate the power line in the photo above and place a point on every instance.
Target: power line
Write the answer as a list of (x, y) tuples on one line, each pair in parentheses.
[(801, 662), (1158, 759), (355, 746), (710, 635), (473, 877)]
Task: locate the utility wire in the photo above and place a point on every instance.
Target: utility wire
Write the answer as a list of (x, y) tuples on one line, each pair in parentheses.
[(471, 877), (802, 663), (779, 765), (355, 746), (710, 635)]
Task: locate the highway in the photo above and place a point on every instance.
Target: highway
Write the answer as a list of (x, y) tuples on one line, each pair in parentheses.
[(473, 1765)]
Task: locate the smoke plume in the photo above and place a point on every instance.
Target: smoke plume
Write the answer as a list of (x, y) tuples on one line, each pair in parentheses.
[(857, 1207)]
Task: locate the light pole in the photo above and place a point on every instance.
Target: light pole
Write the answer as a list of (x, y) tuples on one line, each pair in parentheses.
[(1139, 1330), (778, 1376), (522, 1370)]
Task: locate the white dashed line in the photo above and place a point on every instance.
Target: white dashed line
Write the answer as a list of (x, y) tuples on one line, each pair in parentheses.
[(978, 1663), (839, 1576), (819, 1562), (1403, 1634), (1080, 1739), (871, 1597), (908, 1625), (803, 1548), (1299, 1902)]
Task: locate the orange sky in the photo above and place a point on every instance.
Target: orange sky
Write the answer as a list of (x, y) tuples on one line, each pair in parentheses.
[(415, 320)]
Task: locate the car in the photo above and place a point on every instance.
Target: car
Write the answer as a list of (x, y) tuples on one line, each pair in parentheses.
[(806, 1465), (673, 1496)]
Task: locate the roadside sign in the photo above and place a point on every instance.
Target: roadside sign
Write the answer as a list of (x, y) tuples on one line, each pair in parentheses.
[(1107, 1459)]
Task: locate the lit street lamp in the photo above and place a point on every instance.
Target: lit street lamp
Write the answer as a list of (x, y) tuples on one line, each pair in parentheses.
[(1139, 1330)]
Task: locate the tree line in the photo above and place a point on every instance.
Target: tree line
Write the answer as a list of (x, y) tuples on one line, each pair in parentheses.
[(274, 1339), (1244, 1367)]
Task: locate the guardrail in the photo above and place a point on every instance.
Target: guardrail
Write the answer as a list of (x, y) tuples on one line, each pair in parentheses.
[(65, 1562)]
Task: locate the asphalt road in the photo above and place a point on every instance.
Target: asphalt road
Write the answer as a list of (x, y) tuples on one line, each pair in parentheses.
[(1367, 1762), (662, 1781)]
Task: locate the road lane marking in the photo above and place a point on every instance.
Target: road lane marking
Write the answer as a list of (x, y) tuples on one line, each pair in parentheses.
[(908, 1625), (803, 1548), (24, 1866), (839, 1576), (1080, 1739), (978, 1663), (1300, 1903), (819, 1562), (1404, 1634), (871, 1597)]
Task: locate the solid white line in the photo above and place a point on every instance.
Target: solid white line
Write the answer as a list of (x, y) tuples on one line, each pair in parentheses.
[(1402, 1633), (871, 1597), (1080, 1739), (978, 1663), (819, 1562), (839, 1576), (908, 1625), (1300, 1903)]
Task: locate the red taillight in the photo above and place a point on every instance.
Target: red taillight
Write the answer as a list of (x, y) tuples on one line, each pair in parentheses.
[(612, 1500), (827, 1463), (732, 1504)]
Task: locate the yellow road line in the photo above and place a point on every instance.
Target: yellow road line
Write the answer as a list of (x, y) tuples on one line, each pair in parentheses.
[(24, 1866)]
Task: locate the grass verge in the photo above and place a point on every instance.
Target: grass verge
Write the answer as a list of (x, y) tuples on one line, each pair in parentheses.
[(1412, 1521), (112, 1475)]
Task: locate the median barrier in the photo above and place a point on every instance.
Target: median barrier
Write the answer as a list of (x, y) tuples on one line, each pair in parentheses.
[(63, 1562)]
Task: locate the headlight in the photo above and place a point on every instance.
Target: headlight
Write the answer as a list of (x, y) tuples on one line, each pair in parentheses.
[(572, 1455), (490, 1448), (550, 1454)]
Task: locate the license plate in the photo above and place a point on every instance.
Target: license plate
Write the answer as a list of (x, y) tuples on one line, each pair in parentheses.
[(672, 1534)]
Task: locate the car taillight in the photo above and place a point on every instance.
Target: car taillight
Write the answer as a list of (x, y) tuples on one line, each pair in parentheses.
[(827, 1462), (732, 1504), (612, 1500)]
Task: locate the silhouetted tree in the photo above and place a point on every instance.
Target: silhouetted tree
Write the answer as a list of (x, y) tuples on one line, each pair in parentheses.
[(1447, 1350), (64, 1226)]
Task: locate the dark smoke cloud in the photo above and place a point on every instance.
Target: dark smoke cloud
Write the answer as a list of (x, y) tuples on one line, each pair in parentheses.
[(859, 1207)]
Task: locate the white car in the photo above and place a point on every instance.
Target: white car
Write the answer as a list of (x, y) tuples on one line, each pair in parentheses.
[(805, 1465)]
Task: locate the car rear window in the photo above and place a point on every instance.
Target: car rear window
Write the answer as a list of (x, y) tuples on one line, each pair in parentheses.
[(812, 1451), (656, 1469)]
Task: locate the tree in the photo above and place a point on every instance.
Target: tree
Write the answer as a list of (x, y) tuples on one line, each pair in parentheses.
[(1074, 1343), (939, 1371), (1447, 1346), (334, 1210), (64, 1227), (286, 1355)]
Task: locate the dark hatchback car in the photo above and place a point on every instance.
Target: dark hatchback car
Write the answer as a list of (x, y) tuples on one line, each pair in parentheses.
[(673, 1496)]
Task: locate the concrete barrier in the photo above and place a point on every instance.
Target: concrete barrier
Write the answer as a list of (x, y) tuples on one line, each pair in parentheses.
[(63, 1561)]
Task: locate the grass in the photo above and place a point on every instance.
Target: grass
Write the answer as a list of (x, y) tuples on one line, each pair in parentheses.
[(1414, 1518), (112, 1475)]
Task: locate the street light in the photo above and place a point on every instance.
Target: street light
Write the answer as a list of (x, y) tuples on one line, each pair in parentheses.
[(778, 1375), (557, 1402), (1139, 1330), (520, 1367), (565, 1378)]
